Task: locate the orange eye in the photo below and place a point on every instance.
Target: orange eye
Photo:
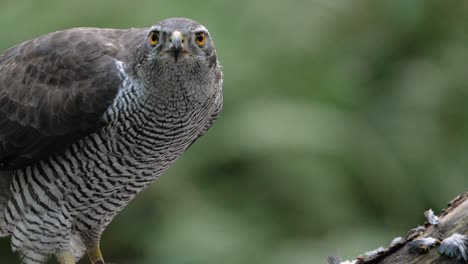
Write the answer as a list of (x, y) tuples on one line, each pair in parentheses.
[(154, 38), (200, 38)]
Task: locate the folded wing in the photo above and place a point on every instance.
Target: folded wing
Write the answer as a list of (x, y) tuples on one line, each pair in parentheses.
[(53, 91)]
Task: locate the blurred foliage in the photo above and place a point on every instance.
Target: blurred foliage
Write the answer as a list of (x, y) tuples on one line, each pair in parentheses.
[(343, 122)]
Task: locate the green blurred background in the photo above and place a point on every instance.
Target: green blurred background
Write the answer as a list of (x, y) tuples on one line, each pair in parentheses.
[(343, 122)]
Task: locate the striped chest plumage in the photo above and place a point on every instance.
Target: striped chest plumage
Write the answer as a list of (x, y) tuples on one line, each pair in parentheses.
[(144, 136), (142, 139)]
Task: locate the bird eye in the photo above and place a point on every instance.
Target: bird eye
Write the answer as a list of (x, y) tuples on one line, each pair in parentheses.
[(200, 38), (154, 38)]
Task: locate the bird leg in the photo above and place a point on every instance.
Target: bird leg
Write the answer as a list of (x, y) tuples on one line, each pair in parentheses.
[(94, 254), (65, 258)]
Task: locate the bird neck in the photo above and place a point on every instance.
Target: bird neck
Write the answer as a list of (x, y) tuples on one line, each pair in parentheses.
[(179, 86), (152, 119)]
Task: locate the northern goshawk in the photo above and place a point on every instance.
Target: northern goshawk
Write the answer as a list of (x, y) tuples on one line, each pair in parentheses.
[(88, 118)]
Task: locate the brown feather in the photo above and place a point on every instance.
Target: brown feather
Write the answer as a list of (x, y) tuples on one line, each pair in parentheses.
[(56, 88)]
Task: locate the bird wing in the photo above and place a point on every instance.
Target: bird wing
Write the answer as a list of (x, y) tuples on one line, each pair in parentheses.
[(55, 90)]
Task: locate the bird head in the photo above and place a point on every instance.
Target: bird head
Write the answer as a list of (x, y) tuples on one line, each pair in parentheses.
[(179, 41), (179, 52)]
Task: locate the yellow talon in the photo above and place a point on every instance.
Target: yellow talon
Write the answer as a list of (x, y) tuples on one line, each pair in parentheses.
[(95, 256), (66, 258)]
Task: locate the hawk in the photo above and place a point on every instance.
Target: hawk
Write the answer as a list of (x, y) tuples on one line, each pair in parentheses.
[(89, 117)]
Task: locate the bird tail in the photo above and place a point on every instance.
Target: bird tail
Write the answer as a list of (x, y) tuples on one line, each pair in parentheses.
[(5, 180)]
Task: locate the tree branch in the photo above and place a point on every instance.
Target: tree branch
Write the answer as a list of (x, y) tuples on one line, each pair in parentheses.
[(453, 219)]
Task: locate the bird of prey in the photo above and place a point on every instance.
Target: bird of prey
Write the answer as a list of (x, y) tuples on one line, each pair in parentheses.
[(88, 118)]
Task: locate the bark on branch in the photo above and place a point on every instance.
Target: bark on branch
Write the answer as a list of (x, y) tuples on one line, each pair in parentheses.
[(454, 219)]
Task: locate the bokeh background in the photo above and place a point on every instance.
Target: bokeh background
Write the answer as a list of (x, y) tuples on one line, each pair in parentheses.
[(343, 122)]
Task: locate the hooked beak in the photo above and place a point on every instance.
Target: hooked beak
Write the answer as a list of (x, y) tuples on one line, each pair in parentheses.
[(177, 39)]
